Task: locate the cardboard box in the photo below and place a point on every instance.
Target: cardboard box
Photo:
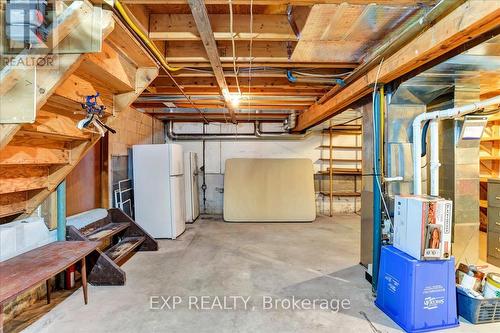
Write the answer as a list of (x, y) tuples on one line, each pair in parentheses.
[(422, 226)]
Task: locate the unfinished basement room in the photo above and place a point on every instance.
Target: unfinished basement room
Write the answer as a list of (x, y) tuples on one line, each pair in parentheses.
[(249, 166)]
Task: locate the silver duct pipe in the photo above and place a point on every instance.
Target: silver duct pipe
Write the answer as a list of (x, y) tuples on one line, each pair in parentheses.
[(257, 134)]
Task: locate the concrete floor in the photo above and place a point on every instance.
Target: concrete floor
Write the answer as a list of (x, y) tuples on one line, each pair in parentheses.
[(315, 261)]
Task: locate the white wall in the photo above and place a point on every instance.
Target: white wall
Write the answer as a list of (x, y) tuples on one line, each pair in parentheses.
[(217, 152)]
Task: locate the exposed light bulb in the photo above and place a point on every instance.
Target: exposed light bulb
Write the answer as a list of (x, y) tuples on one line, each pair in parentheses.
[(235, 99)]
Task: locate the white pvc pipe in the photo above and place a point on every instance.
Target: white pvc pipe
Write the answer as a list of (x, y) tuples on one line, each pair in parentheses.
[(434, 162), (417, 139)]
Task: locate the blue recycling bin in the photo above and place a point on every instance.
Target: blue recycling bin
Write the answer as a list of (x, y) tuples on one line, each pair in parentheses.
[(419, 296)]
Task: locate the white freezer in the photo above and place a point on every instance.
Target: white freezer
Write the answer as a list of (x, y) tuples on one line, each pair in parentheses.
[(159, 189), (178, 205), (176, 163), (192, 192)]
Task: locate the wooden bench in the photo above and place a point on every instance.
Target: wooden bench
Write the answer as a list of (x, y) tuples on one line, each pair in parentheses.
[(27, 270)]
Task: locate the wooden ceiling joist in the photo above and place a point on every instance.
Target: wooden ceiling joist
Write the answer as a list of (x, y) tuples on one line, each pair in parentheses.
[(470, 20), (196, 51), (246, 73), (182, 27), (220, 117), (253, 91), (280, 2), (277, 82), (242, 106), (276, 63)]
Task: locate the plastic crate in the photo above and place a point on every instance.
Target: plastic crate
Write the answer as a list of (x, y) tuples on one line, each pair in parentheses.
[(478, 311), (418, 295)]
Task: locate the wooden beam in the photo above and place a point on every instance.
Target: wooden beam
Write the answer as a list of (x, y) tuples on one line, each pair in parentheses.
[(220, 103), (220, 117), (470, 20), (196, 51), (247, 73), (254, 90), (202, 21), (277, 82), (275, 63), (183, 27), (242, 106)]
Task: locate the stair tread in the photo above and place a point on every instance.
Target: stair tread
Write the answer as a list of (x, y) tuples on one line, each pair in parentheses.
[(106, 231), (121, 249), (52, 135)]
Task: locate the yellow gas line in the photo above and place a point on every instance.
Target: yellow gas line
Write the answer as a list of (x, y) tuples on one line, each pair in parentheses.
[(143, 37)]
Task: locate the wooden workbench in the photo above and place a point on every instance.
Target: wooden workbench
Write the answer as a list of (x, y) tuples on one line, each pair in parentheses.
[(27, 270)]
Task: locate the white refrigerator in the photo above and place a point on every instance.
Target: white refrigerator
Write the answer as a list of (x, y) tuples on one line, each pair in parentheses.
[(192, 192), (159, 197)]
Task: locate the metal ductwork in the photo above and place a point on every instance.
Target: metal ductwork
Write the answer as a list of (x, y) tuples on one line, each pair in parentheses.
[(257, 134)]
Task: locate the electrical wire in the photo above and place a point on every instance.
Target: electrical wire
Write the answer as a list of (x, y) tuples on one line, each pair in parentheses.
[(231, 23), (276, 69), (250, 58), (149, 44), (188, 98), (375, 171), (321, 75), (152, 48)]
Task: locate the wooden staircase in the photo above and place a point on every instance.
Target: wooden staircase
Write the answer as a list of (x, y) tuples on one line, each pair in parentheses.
[(35, 157), (119, 238)]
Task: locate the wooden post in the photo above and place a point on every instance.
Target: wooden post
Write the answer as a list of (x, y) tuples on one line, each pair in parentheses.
[(47, 286), (84, 279), (331, 170), (1, 318)]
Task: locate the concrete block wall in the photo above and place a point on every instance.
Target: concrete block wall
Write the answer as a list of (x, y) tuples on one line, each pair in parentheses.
[(217, 152), (134, 127)]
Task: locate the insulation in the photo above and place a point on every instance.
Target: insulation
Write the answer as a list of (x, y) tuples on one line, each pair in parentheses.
[(269, 190)]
